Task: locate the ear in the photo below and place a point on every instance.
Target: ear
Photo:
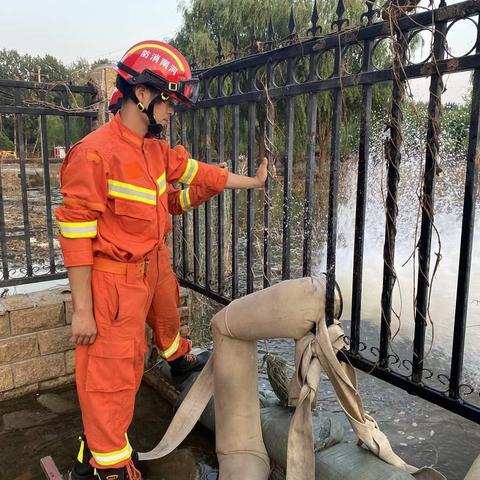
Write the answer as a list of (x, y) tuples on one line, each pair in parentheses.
[(141, 92)]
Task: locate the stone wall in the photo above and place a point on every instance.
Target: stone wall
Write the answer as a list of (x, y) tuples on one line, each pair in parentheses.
[(35, 349)]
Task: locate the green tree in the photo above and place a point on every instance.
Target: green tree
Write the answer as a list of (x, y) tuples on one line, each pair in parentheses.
[(204, 21), (25, 67), (5, 142)]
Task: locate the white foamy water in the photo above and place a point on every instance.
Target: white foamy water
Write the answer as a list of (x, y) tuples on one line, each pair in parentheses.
[(448, 217)]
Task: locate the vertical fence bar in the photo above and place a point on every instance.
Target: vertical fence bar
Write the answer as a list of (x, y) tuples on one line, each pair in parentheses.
[(208, 207), (175, 223), (220, 199), (393, 176), (196, 219), (23, 182), (66, 122), (3, 233), (466, 242), (47, 188), (333, 191), (362, 177), (267, 205), (235, 154), (427, 204), (185, 227), (309, 173), (288, 177), (252, 117)]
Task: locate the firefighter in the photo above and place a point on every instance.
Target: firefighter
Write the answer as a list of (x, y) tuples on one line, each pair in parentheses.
[(112, 222), (163, 316)]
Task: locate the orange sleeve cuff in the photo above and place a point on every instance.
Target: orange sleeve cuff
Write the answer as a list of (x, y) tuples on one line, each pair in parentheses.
[(211, 177), (76, 251)]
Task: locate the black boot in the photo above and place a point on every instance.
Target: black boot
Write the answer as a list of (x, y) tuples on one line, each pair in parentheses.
[(189, 363), (82, 470), (129, 472)]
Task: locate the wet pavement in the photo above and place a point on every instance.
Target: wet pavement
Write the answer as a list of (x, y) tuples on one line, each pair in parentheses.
[(48, 424)]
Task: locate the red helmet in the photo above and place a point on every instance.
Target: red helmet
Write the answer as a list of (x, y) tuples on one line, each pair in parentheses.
[(115, 101), (162, 67)]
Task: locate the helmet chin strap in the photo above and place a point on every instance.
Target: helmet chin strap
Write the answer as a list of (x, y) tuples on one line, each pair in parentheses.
[(154, 128)]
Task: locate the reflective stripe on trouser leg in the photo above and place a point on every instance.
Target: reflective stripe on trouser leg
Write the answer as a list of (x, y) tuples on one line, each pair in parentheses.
[(163, 316), (108, 459), (109, 372)]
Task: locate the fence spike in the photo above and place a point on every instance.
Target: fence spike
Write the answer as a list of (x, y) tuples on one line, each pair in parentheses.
[(292, 26), (340, 21), (235, 44), (370, 13), (270, 34), (219, 49), (314, 20), (253, 40), (193, 63)]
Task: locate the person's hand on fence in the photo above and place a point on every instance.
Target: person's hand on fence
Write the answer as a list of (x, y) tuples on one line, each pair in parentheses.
[(262, 173), (84, 328)]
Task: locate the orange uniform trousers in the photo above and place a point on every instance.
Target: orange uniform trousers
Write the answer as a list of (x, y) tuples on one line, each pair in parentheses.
[(109, 372), (163, 316)]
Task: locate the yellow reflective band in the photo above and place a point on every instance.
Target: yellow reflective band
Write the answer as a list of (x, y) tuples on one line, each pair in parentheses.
[(78, 229), (185, 199), (162, 184), (190, 172), (80, 452), (111, 458), (160, 47), (132, 192), (172, 348)]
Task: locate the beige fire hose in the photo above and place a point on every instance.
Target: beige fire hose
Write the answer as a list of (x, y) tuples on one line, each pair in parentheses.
[(290, 309), (474, 472)]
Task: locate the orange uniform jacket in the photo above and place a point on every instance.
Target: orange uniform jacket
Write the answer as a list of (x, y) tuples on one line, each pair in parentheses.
[(114, 184)]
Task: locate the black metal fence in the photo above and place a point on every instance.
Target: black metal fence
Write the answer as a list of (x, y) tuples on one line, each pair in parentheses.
[(29, 184), (277, 102), (223, 253)]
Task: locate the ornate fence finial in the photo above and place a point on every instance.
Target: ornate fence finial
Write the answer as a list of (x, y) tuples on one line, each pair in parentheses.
[(314, 20), (219, 49), (443, 3), (193, 63), (254, 44), (235, 45), (370, 13), (292, 26), (270, 34), (341, 21)]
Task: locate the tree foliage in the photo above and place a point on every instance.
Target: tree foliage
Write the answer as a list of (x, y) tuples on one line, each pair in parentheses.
[(25, 67), (206, 21)]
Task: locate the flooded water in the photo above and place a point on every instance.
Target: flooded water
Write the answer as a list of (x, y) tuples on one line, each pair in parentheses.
[(49, 424), (421, 433)]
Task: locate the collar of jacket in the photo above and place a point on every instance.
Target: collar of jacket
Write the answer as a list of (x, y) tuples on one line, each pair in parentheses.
[(128, 135)]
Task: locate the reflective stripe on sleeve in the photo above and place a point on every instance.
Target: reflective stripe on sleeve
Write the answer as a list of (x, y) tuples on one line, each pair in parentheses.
[(132, 192), (78, 229), (190, 172), (162, 184), (111, 458), (172, 348), (185, 202)]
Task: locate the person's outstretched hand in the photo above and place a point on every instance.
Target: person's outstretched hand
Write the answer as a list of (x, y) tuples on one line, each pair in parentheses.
[(262, 173)]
